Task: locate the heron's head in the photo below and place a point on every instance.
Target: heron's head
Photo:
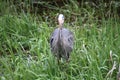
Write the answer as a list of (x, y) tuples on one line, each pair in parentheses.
[(61, 19)]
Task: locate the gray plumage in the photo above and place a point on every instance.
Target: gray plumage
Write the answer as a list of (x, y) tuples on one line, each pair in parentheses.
[(61, 41)]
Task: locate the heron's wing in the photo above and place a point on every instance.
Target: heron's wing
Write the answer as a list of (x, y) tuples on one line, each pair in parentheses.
[(71, 39), (68, 39), (54, 39)]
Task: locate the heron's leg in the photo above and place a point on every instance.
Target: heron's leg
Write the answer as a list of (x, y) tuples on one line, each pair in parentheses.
[(67, 58), (58, 61), (58, 58)]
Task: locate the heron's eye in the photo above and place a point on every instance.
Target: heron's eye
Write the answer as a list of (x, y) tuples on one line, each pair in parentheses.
[(62, 17)]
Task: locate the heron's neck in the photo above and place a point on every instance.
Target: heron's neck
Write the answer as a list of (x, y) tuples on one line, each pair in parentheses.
[(60, 26)]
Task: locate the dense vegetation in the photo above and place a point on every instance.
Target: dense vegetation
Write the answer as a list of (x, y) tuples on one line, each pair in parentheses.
[(24, 41)]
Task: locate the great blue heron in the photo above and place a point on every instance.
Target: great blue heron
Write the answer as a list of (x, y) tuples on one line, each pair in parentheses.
[(61, 41)]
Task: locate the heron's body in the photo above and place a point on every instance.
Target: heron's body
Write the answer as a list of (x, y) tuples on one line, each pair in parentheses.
[(61, 42)]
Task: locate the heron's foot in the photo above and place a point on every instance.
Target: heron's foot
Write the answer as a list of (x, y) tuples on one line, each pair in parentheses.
[(68, 60)]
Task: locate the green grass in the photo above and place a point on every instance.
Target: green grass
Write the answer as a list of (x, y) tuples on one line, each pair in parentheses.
[(25, 50)]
